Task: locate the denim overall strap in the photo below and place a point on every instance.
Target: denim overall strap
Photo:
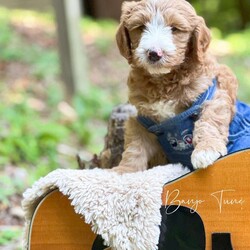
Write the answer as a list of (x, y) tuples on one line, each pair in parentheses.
[(156, 128), (208, 95), (149, 124)]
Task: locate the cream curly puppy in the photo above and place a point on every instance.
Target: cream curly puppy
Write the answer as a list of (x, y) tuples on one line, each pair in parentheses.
[(185, 99)]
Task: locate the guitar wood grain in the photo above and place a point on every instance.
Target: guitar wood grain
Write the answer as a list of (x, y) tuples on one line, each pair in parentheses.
[(221, 196), (56, 226)]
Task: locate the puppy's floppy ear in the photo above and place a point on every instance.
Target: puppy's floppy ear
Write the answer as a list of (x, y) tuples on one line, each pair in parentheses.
[(200, 40), (122, 35), (123, 42)]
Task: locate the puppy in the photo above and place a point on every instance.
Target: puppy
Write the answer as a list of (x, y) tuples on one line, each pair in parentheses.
[(185, 99)]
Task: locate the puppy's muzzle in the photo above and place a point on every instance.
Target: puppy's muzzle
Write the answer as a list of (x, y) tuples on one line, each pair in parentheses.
[(154, 56)]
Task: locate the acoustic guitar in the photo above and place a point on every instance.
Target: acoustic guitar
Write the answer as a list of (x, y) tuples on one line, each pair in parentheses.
[(220, 195)]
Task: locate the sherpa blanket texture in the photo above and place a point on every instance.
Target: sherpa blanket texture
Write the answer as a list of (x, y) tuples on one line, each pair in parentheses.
[(123, 209)]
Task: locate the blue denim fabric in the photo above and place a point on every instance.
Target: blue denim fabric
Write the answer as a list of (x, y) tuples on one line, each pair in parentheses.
[(175, 134), (239, 131)]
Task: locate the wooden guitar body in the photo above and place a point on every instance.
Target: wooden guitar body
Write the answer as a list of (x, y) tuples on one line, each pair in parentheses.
[(56, 226), (220, 194)]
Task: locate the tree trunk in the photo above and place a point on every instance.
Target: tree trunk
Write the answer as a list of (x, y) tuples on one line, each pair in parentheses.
[(244, 7), (114, 140)]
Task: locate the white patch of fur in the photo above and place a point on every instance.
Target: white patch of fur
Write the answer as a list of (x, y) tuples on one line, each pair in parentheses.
[(156, 36), (162, 109), (204, 158), (157, 70)]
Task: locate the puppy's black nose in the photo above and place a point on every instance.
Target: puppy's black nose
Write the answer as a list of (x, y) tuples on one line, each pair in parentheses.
[(153, 56)]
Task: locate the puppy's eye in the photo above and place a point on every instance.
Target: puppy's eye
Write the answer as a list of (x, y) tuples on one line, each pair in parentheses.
[(138, 27), (141, 27), (174, 29)]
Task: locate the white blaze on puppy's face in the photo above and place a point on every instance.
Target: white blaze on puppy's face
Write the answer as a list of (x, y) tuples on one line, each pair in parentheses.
[(157, 38), (160, 35)]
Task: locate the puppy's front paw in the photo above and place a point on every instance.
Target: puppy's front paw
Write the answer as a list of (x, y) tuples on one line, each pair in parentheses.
[(204, 158)]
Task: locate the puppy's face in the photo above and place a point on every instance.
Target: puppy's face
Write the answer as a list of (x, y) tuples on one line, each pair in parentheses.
[(159, 35)]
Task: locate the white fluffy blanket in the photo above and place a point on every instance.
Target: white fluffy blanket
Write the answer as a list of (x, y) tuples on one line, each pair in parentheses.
[(123, 209)]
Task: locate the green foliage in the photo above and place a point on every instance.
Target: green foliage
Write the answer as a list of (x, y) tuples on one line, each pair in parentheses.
[(95, 103), (46, 67), (25, 137), (101, 32), (28, 138), (101, 27), (9, 186), (239, 43), (7, 235), (44, 63), (95, 106), (237, 57), (228, 16)]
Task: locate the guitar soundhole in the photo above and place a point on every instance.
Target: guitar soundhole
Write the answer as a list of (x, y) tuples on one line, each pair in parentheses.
[(181, 229), (98, 243)]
